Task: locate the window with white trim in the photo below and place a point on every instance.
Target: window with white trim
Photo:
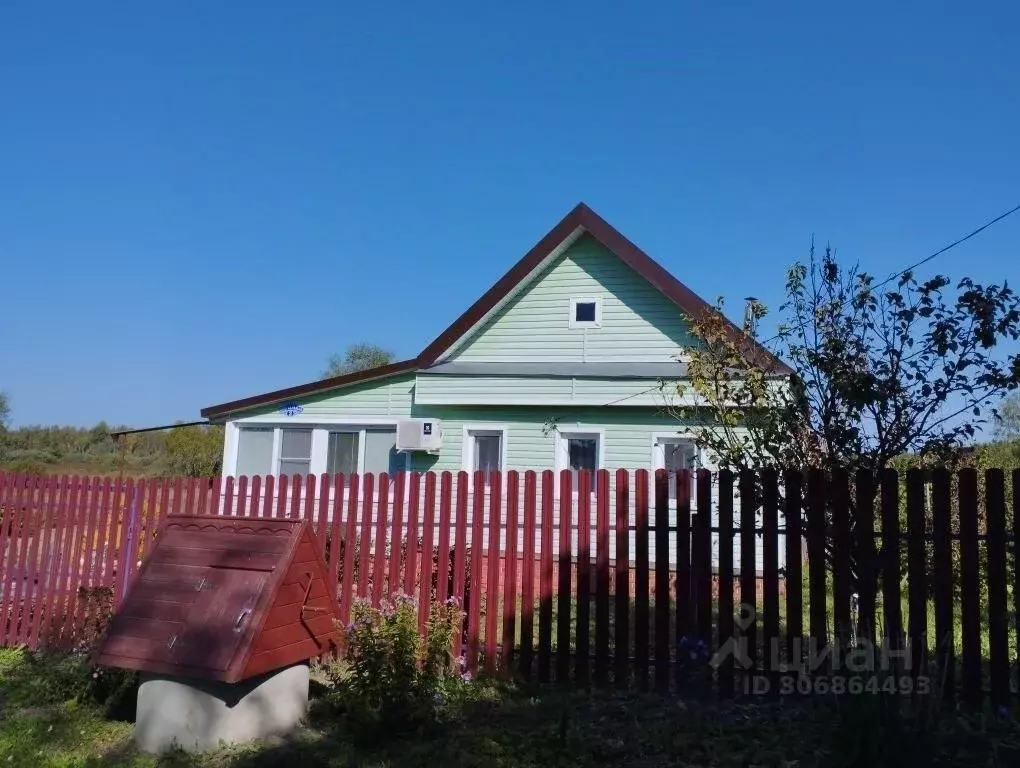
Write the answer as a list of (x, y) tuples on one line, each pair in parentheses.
[(254, 451), (380, 452), (286, 450), (579, 452), (585, 312), (672, 454), (484, 451), (342, 453), (368, 450), (295, 452)]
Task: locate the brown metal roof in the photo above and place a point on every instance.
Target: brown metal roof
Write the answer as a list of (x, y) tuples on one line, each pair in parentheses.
[(581, 217), (225, 598), (281, 395), (585, 218)]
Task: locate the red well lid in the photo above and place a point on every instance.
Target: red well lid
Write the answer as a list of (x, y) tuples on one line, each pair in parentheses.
[(225, 598)]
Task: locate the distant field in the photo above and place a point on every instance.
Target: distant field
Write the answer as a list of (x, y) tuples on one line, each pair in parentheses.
[(104, 468)]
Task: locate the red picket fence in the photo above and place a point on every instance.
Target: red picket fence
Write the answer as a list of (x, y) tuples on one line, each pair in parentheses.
[(607, 578)]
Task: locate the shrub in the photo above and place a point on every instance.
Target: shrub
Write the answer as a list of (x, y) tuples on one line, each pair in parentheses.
[(44, 678), (26, 467), (62, 670), (391, 678)]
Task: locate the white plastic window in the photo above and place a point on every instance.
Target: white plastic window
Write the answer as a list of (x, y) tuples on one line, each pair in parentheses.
[(585, 312)]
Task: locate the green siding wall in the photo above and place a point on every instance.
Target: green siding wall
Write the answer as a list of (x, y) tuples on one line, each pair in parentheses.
[(467, 388), (390, 397), (531, 437), (499, 390), (639, 324)]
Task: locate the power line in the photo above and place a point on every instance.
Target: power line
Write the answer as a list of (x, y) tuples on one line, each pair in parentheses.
[(940, 251), (628, 397), (889, 279), (160, 428), (926, 259)]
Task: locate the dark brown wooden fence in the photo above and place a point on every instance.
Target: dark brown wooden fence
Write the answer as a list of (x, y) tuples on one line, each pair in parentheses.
[(620, 578)]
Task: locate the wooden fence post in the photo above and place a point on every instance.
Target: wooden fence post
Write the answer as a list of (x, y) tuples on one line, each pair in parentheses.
[(528, 576), (428, 532), (726, 539), (621, 641), (641, 578), (460, 554), (998, 624), (350, 542), (970, 594), (941, 496), (749, 566), (662, 580), (563, 618), (444, 578), (510, 571), (701, 558), (864, 546), (917, 586), (794, 584), (381, 522), (816, 499), (770, 575), (411, 556), (477, 554), (582, 662), (546, 572), (493, 562), (686, 618), (335, 535), (398, 547), (602, 579)]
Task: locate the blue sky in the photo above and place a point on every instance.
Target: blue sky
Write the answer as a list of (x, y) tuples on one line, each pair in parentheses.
[(200, 201)]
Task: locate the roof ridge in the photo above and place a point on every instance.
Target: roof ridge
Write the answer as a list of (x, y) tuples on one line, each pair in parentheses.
[(581, 216)]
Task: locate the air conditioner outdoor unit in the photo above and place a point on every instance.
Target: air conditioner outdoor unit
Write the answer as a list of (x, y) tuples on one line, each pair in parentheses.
[(419, 435)]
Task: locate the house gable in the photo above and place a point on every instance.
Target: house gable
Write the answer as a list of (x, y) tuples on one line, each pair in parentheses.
[(580, 255), (637, 322)]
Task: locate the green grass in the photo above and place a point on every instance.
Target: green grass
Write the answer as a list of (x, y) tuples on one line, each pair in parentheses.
[(500, 724)]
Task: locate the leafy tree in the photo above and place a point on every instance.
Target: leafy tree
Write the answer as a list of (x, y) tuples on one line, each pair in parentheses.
[(879, 370), (100, 441), (5, 410), (1007, 421), (195, 451), (357, 357)]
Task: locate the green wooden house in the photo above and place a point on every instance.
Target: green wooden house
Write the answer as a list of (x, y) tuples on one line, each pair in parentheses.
[(557, 366)]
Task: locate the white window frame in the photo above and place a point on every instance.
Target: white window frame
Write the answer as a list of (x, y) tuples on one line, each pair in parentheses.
[(320, 441), (467, 461), (349, 430), (361, 445), (574, 301), (562, 457), (278, 447), (658, 457), (232, 446)]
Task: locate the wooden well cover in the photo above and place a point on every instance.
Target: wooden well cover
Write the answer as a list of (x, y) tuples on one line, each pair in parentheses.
[(225, 598)]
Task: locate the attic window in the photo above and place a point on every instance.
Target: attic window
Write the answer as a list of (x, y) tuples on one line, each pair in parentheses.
[(585, 312)]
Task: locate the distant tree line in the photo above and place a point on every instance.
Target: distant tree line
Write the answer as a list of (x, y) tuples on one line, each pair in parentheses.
[(194, 451)]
